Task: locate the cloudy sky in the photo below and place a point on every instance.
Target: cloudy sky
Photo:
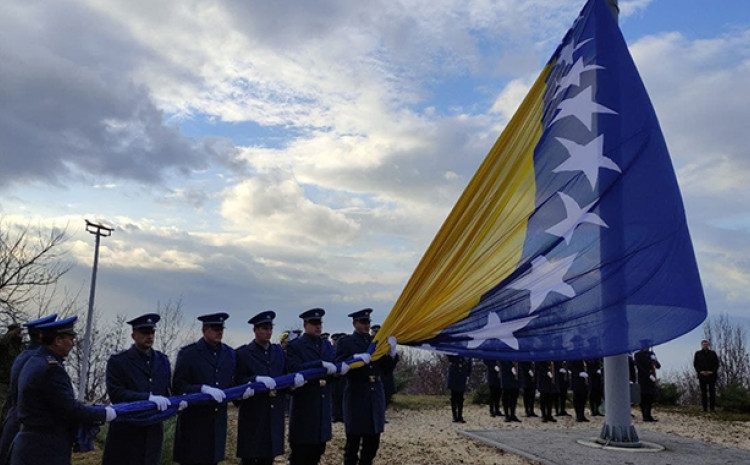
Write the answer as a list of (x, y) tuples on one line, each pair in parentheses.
[(292, 154)]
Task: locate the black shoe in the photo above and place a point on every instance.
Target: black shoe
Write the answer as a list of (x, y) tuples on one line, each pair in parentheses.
[(461, 420), (552, 419), (544, 420), (515, 419), (508, 420), (563, 414), (455, 420), (582, 420), (650, 420), (532, 414), (493, 414)]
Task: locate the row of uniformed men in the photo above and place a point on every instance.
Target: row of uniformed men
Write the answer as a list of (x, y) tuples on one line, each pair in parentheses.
[(48, 414)]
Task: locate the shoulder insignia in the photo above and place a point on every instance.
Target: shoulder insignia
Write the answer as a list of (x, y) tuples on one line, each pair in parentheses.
[(52, 360)]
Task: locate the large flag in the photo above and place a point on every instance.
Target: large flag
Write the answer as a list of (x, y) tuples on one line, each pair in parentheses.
[(570, 241)]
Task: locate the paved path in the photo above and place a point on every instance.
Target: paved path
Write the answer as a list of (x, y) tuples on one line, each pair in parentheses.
[(561, 447)]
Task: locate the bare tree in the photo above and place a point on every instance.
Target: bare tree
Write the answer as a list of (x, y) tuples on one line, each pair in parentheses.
[(729, 342), (30, 259), (173, 333)]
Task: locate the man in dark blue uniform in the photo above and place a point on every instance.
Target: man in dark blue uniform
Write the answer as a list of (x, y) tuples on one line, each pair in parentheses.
[(47, 408), (596, 385), (509, 386), (260, 430), (337, 387), (387, 368), (139, 373), (528, 383), (458, 376), (580, 385), (12, 425), (646, 364), (310, 416), (364, 395), (563, 381), (494, 385), (545, 375), (205, 366)]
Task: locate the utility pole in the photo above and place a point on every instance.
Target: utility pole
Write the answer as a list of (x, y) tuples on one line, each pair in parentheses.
[(618, 429), (97, 230)]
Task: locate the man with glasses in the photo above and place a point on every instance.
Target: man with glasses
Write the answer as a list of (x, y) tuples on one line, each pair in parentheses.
[(260, 429), (310, 416), (205, 366), (139, 373)]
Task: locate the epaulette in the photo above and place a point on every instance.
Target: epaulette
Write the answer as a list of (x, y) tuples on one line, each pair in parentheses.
[(52, 360)]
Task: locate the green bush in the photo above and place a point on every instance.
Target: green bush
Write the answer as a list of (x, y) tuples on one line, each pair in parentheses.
[(668, 394), (735, 398), (481, 395)]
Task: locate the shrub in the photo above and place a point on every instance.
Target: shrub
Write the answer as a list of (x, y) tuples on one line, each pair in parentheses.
[(735, 398), (481, 395), (668, 394)]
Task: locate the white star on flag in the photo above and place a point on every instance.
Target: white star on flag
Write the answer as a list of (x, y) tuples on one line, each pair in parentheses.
[(587, 158), (545, 277), (582, 107), (574, 215), (566, 53), (573, 77), (496, 329)]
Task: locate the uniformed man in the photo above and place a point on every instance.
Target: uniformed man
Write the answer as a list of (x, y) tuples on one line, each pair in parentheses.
[(596, 385), (546, 384), (205, 366), (337, 387), (260, 429), (310, 416), (12, 425), (11, 344), (364, 395), (458, 376), (580, 385), (563, 381), (646, 364), (47, 408), (528, 383), (387, 367), (509, 385), (139, 373), (494, 385)]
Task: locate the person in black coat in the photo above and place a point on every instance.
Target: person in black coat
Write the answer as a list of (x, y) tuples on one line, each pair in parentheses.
[(546, 384), (458, 375), (364, 395), (12, 425), (596, 385), (310, 416), (205, 366), (579, 383), (706, 364), (260, 423), (493, 383), (563, 380), (509, 385), (646, 364), (337, 387), (387, 368), (139, 373), (47, 409), (528, 384)]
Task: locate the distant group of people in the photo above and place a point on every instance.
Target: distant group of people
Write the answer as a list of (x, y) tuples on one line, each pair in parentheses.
[(44, 414)]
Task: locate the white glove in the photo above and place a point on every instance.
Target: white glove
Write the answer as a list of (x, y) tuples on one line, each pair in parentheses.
[(269, 382), (531, 373), (514, 371), (162, 403), (497, 368), (652, 378), (183, 405), (216, 393), (392, 343), (110, 414), (562, 370), (549, 374), (653, 357), (598, 372), (299, 380), (330, 367), (583, 374), (365, 357), (249, 392), (344, 369)]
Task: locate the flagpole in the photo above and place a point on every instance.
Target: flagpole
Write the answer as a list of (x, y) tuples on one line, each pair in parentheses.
[(618, 430)]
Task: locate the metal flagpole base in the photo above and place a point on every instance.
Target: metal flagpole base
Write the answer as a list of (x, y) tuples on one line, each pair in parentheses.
[(619, 436)]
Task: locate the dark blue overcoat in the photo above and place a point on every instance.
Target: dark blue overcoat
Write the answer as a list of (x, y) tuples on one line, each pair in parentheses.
[(562, 377), (12, 425), (524, 377), (260, 429), (596, 380), (364, 394), (458, 372), (545, 384), (493, 376), (49, 412), (508, 379), (310, 415), (577, 383), (644, 365), (201, 433), (132, 376)]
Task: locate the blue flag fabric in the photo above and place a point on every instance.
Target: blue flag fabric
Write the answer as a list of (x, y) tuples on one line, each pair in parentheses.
[(606, 265)]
